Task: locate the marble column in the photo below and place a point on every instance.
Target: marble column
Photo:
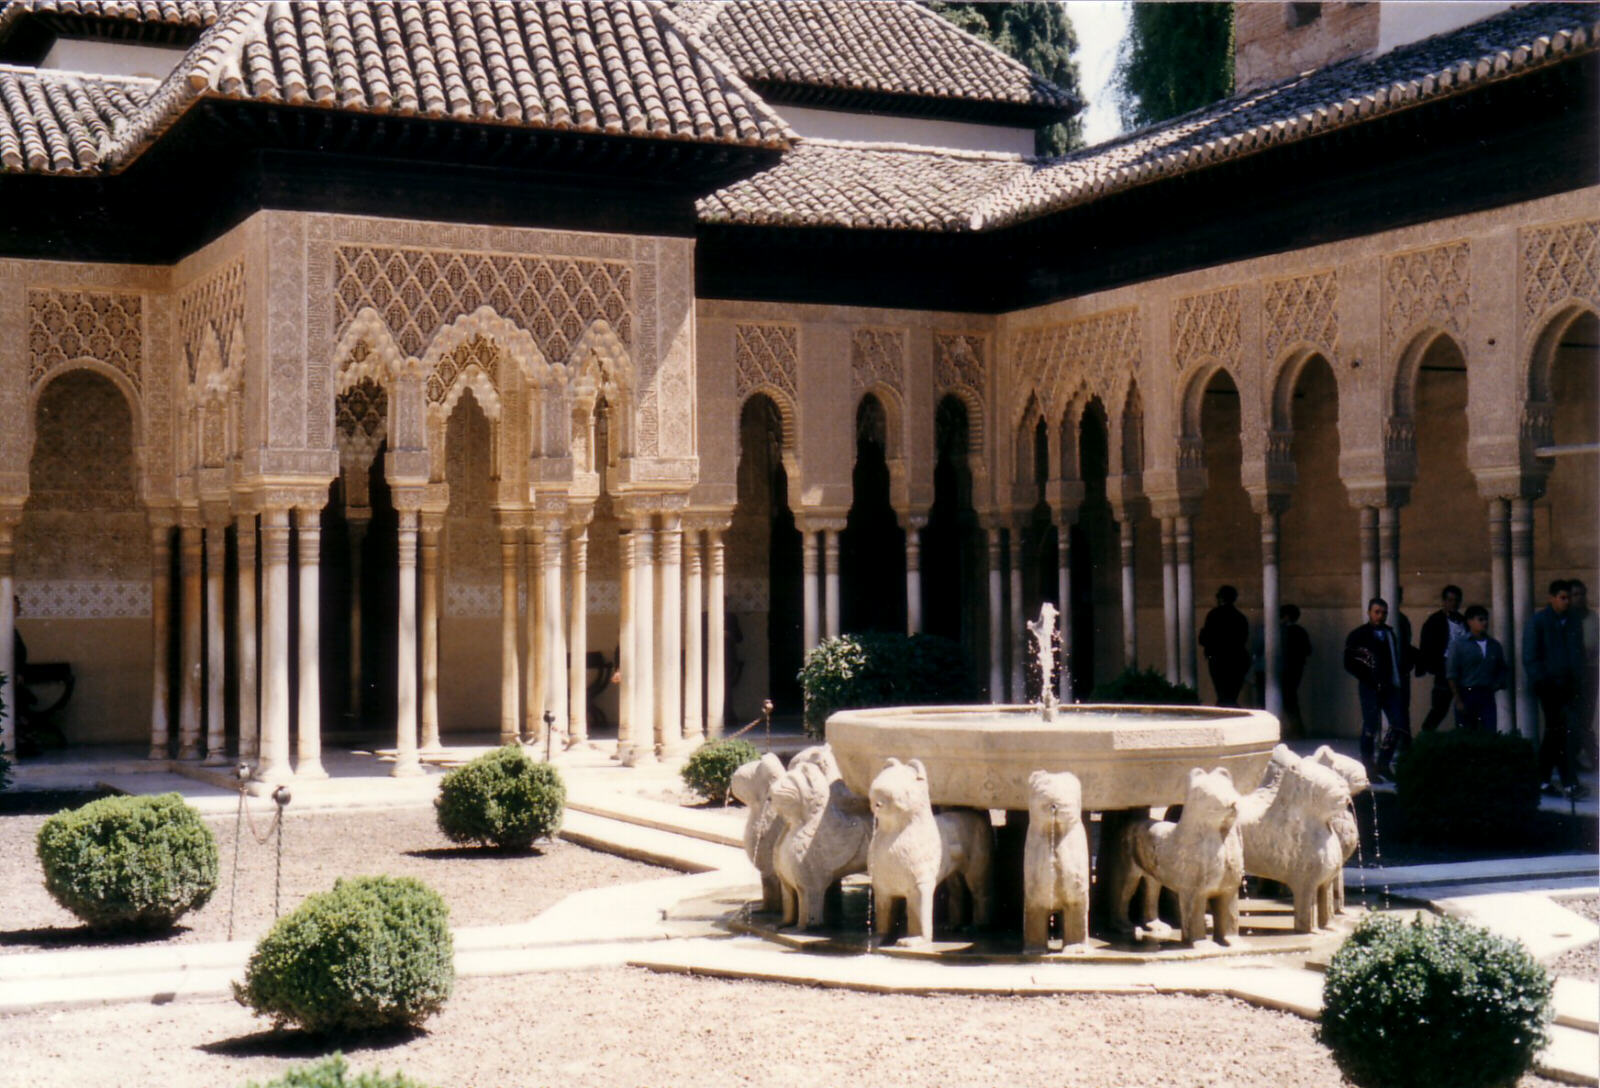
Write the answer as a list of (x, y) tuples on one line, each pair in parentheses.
[(8, 660), (1500, 602), (555, 635), (244, 575), (308, 530), (627, 659), (1522, 607), (1017, 631), (830, 581), (358, 537), (538, 640), (1369, 556), (216, 551), (669, 636), (1389, 559), (812, 589), (716, 649), (1169, 597), (510, 678), (694, 727), (578, 642), (1064, 603), (406, 760), (273, 766), (1130, 613), (1270, 600), (1183, 540), (190, 547), (430, 527), (914, 575), (644, 641), (160, 636), (997, 637)]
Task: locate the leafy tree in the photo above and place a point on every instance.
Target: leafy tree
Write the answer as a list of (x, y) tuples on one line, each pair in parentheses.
[(1177, 58), (1040, 35)]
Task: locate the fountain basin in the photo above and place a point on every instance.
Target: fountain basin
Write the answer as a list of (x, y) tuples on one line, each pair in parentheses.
[(1125, 756)]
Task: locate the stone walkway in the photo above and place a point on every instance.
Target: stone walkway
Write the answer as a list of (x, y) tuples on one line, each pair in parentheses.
[(672, 924)]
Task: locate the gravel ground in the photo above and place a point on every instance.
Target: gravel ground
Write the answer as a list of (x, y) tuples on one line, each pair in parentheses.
[(627, 1027), (1582, 963), (482, 887)]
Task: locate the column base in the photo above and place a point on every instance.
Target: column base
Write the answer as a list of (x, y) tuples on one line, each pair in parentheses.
[(189, 752), (434, 751), (156, 753), (216, 759), (638, 757), (411, 768), (313, 773), (506, 738)]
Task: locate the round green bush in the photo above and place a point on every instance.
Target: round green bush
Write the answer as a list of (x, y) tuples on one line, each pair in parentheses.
[(877, 669), (1145, 688), (129, 863), (710, 769), (1433, 1003), (504, 798), (1469, 787), (373, 953), (334, 1072)]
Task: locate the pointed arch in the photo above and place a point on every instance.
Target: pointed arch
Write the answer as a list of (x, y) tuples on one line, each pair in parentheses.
[(1194, 396), (977, 421), (516, 344), (366, 349), (1541, 356), (1286, 378), (1403, 395), (599, 349)]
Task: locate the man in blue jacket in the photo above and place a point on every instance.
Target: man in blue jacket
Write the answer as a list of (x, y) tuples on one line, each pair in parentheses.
[(1552, 662), (1376, 657)]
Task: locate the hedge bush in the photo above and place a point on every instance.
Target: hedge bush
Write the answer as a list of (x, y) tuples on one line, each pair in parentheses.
[(1433, 1003), (870, 670), (710, 769), (334, 1072), (1469, 787), (373, 953), (129, 863), (1146, 687), (504, 798)]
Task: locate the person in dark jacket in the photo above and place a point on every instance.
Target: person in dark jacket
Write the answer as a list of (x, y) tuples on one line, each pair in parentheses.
[(1475, 668), (1225, 637), (1438, 632), (1295, 648), (1374, 655), (1552, 662)]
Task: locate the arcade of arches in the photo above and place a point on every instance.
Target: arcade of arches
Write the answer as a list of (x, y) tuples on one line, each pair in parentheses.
[(333, 472)]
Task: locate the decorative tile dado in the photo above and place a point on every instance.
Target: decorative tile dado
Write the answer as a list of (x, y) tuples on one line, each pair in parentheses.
[(105, 326), (1207, 328), (1302, 309), (468, 601), (1425, 287), (766, 354), (878, 357), (746, 595), (1559, 264), (71, 600)]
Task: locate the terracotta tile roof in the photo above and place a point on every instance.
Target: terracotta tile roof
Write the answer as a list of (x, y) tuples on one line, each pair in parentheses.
[(60, 122), (173, 13), (885, 46), (625, 67), (827, 183)]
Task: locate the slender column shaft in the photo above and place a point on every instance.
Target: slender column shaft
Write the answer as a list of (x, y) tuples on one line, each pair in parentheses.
[(274, 763), (808, 568), (428, 630), (913, 580), (1064, 604), (8, 658), (510, 678), (1500, 599), (1389, 557), (1130, 615), (997, 638), (578, 644), (308, 528), (406, 761), (538, 638), (1015, 615), (244, 573), (627, 660), (190, 546), (830, 581), (694, 727), (1183, 539), (1269, 609), (555, 634), (1169, 597), (1527, 722), (358, 537), (216, 646), (160, 619), (644, 643), (1369, 555), (669, 637), (716, 665)]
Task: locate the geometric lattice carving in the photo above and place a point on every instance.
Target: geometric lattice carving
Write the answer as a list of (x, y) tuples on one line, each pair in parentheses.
[(1207, 327), (217, 303), (480, 352), (362, 422), (1425, 287), (958, 361), (419, 291), (1100, 351), (766, 355), (101, 325), (82, 600), (1302, 309), (878, 356), (1559, 263)]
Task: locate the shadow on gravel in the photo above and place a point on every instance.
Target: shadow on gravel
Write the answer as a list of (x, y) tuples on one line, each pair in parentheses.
[(469, 853), (55, 937), (284, 1043)]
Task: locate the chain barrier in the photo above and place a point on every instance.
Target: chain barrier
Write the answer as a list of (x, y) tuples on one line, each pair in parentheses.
[(242, 817)]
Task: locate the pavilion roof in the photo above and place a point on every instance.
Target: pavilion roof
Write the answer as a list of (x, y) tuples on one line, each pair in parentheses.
[(61, 122)]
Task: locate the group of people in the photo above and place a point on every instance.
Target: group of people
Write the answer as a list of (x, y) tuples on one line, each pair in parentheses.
[(1560, 660)]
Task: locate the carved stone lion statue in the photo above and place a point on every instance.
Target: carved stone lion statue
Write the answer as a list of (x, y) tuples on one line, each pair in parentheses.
[(1055, 861), (1200, 858), (1288, 836), (913, 851), (752, 786), (1354, 774), (825, 836)]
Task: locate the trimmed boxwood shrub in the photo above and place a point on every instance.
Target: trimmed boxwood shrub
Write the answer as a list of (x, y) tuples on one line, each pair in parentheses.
[(871, 670), (373, 953), (129, 863), (1468, 787), (710, 769), (1433, 1003), (504, 798), (334, 1072), (1145, 687)]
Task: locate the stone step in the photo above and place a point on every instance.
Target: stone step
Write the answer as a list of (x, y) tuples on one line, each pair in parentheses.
[(724, 827), (650, 844), (1474, 872), (1572, 1057)]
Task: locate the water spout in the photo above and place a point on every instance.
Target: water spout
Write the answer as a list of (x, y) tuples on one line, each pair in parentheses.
[(1043, 630)]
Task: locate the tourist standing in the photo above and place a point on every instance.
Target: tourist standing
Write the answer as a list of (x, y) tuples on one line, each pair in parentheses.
[(1587, 724), (1374, 655), (1552, 660), (1438, 632), (1475, 668), (1225, 637), (1295, 647)]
